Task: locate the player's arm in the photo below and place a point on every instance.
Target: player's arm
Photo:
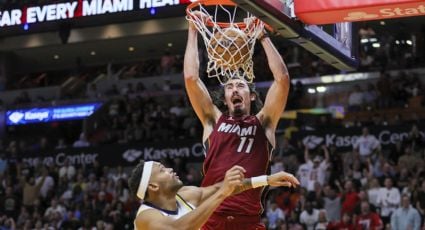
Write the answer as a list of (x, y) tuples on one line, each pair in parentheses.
[(306, 154), (198, 94), (152, 219), (196, 195), (277, 95)]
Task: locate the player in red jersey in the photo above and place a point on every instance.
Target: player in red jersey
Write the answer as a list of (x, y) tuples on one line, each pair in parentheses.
[(237, 135)]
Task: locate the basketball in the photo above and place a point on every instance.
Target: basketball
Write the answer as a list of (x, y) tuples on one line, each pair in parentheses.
[(229, 47)]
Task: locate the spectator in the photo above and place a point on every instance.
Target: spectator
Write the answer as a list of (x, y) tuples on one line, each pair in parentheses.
[(323, 221), (31, 190), (388, 200), (406, 217), (67, 170), (349, 196), (367, 219), (47, 186), (347, 223), (61, 144), (54, 208), (92, 92), (317, 168), (81, 142), (373, 192), (167, 63), (275, 216), (355, 99), (10, 203), (332, 204), (366, 144), (310, 216)]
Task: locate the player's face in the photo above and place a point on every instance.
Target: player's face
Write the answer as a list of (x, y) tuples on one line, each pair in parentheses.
[(238, 97), (166, 178)]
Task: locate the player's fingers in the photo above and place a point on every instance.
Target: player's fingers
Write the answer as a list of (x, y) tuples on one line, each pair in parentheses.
[(239, 168), (284, 183), (235, 177)]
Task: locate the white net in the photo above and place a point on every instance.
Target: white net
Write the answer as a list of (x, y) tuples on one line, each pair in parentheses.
[(229, 44)]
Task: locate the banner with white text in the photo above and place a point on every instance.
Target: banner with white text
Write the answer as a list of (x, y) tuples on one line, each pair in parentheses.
[(344, 138), (116, 154), (76, 9)]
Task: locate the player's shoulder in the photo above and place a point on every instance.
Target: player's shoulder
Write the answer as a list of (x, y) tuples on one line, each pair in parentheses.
[(153, 219), (146, 217), (191, 194)]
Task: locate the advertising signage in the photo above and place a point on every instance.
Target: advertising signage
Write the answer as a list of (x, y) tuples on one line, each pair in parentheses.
[(343, 139), (49, 114), (78, 8), (113, 155)]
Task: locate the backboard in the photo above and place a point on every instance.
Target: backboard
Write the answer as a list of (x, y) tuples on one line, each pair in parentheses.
[(332, 43)]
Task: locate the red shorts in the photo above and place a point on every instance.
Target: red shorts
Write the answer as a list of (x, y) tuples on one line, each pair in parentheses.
[(229, 222)]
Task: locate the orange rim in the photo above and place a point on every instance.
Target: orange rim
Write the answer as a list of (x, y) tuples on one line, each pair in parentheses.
[(210, 23)]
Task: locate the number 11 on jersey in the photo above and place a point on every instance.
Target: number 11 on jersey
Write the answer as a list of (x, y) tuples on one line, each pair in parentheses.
[(248, 145)]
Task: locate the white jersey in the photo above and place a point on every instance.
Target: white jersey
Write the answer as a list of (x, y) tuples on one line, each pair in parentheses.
[(183, 208)]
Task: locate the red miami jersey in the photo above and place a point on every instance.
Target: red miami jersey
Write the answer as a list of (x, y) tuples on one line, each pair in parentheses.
[(369, 221), (237, 141)]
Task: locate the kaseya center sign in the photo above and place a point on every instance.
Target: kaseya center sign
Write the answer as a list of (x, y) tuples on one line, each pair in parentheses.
[(80, 8), (333, 11)]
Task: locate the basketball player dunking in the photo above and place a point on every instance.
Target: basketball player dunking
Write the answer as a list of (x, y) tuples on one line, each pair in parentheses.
[(241, 134)]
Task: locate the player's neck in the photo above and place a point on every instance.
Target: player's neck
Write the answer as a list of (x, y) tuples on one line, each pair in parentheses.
[(167, 202), (238, 116)]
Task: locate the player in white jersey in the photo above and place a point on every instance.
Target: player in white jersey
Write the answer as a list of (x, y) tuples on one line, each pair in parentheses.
[(167, 204)]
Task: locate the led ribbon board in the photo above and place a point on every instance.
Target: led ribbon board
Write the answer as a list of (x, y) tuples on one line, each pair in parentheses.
[(50, 114), (75, 9), (333, 11)]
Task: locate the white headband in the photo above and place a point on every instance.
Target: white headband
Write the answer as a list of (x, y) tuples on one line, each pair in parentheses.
[(144, 181)]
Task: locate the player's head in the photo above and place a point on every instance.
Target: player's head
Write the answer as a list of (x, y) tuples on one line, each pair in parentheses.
[(238, 97), (153, 179)]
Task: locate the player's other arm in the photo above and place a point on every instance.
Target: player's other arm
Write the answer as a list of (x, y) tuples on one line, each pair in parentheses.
[(277, 95), (196, 195), (198, 94), (154, 220)]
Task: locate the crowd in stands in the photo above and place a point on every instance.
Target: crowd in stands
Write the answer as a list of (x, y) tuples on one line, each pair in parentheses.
[(366, 187), (387, 92), (363, 187)]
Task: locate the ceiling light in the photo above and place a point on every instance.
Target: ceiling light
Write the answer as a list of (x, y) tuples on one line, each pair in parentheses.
[(321, 89), (170, 44), (311, 90), (382, 23), (93, 53), (56, 56), (131, 48)]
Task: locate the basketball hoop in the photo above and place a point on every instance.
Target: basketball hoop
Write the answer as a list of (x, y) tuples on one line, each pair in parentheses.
[(229, 37)]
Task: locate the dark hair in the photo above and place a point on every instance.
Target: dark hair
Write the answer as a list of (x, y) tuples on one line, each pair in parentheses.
[(134, 180), (218, 100)]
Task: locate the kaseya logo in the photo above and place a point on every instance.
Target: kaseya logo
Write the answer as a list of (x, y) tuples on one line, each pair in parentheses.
[(312, 141), (131, 155), (16, 117), (384, 13)]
